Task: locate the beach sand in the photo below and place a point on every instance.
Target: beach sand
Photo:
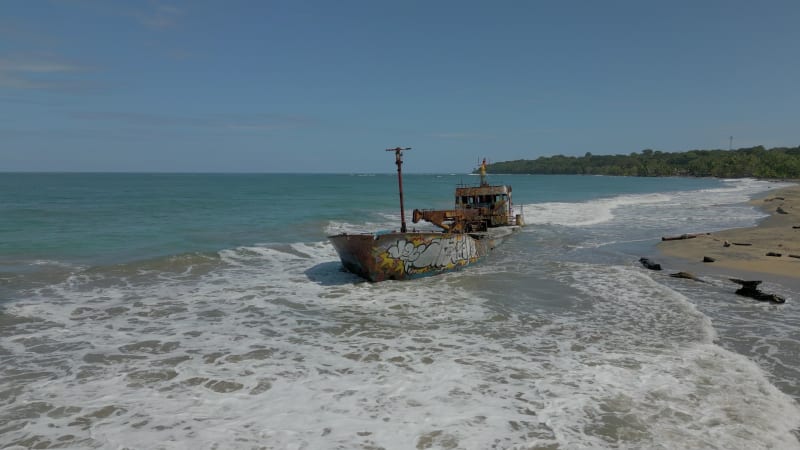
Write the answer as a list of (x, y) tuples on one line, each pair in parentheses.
[(775, 234)]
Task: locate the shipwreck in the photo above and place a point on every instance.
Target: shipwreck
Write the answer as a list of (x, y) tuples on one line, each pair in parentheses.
[(482, 217)]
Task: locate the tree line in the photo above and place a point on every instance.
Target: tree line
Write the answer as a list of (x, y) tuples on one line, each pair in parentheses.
[(758, 162)]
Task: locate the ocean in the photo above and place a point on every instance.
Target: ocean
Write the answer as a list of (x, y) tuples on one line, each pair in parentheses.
[(209, 311)]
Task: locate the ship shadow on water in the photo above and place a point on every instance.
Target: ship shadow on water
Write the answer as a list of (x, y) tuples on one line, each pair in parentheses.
[(331, 274)]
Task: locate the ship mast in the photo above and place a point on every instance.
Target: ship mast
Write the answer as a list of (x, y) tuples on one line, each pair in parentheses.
[(398, 153)]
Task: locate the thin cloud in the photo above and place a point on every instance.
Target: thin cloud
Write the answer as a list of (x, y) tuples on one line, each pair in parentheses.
[(230, 122), (254, 127), (265, 122), (41, 73), (183, 55), (461, 136), (151, 14), (27, 101), (139, 119), (160, 16), (31, 65), (20, 32)]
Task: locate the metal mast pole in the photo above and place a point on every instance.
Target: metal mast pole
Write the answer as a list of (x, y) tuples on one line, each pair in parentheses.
[(398, 153)]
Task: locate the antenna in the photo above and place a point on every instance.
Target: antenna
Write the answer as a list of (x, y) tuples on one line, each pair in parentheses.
[(398, 153), (730, 144)]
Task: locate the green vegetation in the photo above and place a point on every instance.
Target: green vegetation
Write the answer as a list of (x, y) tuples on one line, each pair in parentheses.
[(781, 162)]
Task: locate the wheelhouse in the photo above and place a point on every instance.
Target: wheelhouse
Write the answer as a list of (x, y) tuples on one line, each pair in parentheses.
[(492, 202)]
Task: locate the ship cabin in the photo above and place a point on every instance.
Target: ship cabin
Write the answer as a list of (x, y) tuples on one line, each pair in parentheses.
[(492, 202)]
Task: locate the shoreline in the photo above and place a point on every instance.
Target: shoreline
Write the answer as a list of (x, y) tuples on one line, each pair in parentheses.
[(742, 252)]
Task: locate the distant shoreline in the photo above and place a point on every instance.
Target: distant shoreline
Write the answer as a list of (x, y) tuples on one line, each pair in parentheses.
[(752, 162)]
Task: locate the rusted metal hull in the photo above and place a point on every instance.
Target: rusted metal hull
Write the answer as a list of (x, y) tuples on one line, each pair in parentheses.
[(402, 256)]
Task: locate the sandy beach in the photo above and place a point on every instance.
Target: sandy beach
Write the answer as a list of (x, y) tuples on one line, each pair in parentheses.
[(768, 251)]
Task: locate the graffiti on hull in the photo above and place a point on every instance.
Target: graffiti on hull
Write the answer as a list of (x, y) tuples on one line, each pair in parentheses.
[(418, 255)]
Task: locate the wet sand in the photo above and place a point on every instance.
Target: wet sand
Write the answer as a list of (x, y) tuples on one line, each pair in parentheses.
[(742, 252)]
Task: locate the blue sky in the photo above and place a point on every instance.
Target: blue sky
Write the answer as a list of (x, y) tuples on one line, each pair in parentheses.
[(326, 86)]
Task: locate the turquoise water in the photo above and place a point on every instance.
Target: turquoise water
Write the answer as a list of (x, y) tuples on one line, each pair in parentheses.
[(110, 218), (210, 311)]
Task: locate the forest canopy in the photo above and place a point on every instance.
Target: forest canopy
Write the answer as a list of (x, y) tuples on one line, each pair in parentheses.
[(758, 162)]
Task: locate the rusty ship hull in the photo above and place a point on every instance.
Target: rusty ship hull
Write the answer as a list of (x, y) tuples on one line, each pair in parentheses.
[(403, 256)]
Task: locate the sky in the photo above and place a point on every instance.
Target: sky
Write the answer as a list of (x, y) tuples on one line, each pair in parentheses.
[(327, 86)]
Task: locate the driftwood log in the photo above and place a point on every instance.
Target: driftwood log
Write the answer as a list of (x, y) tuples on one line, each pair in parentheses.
[(750, 289), (686, 275), (682, 236)]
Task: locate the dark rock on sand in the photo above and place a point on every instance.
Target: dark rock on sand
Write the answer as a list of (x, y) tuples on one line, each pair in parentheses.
[(650, 264), (750, 289)]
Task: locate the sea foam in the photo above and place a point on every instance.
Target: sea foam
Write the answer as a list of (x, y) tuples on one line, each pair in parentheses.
[(585, 213), (278, 346)]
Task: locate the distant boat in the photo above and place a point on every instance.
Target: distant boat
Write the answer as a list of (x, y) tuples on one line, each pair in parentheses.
[(481, 219)]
